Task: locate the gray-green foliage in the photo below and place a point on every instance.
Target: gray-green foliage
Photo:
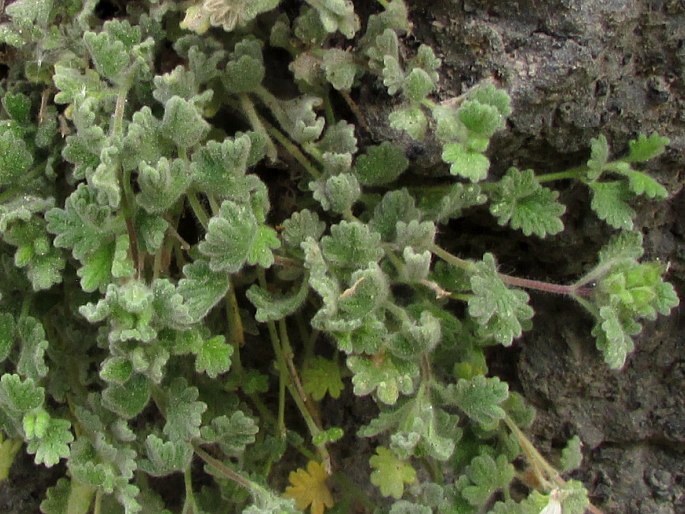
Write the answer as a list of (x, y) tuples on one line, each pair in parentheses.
[(174, 290)]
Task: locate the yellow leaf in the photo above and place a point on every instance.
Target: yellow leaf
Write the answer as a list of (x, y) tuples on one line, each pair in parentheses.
[(309, 488)]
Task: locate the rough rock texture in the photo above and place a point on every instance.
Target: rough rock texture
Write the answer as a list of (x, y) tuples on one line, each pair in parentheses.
[(576, 68)]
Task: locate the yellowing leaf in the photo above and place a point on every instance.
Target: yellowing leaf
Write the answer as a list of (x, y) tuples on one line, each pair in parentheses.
[(309, 488)]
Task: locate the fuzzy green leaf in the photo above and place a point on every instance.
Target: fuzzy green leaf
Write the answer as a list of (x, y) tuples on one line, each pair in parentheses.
[(321, 376), (393, 74), (183, 123), (390, 474), (117, 370), (599, 156), (411, 120), (18, 397), (369, 288), (417, 85), (642, 184), (165, 457), (110, 56), (219, 168), (298, 118), (339, 138), (521, 201), (30, 11), (624, 246), (144, 141), (7, 327), (127, 400), (645, 148), (351, 245), (466, 163), (480, 119), (395, 207), (338, 194), (503, 313), (484, 477), (488, 94), (245, 70), (386, 375), (440, 208), (609, 201), (183, 412), (337, 15), (214, 357), (179, 82), (340, 68), (380, 164), (18, 106), (300, 226), (233, 433), (480, 398), (201, 288), (15, 158), (271, 307), (572, 454), (234, 238), (57, 498), (33, 345), (416, 265), (54, 445), (162, 184)]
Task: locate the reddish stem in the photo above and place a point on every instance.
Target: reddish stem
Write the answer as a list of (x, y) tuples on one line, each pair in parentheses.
[(547, 287)]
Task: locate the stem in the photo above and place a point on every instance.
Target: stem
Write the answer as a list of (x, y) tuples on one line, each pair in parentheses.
[(253, 118), (384, 3), (197, 209), (292, 149), (225, 470), (542, 469), (189, 506), (452, 259), (356, 111), (98, 501), (572, 290), (571, 173)]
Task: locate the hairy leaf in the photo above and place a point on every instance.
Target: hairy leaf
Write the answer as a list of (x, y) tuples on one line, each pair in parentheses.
[(309, 489), (321, 376), (390, 474)]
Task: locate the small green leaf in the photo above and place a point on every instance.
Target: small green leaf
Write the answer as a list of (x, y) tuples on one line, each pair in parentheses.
[(390, 474), (15, 158), (572, 455), (613, 338), (411, 120), (642, 184), (33, 347), (184, 412), (214, 357), (645, 148), (488, 94), (624, 246), (272, 307), (321, 376), (127, 400), (18, 396), (609, 201), (18, 106), (380, 164), (234, 238), (340, 68), (110, 56), (183, 123), (6, 335), (385, 374), (521, 201), (338, 194), (480, 119), (351, 245), (466, 163), (162, 185), (300, 226), (245, 70), (417, 85), (201, 288), (165, 457), (502, 312), (233, 433), (480, 398), (599, 156), (395, 207), (54, 445), (484, 477), (337, 15)]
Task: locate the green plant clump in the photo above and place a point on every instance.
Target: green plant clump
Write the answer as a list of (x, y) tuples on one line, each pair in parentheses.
[(161, 318)]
